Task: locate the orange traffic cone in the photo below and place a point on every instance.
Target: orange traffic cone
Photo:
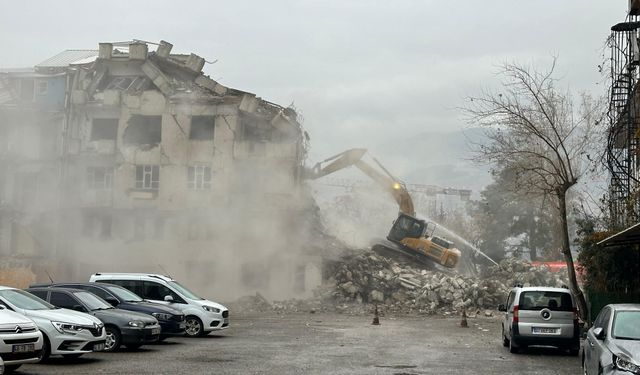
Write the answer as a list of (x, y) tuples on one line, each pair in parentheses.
[(463, 322), (376, 318)]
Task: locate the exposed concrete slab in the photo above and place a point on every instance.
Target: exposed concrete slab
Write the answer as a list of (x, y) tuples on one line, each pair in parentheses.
[(210, 84)]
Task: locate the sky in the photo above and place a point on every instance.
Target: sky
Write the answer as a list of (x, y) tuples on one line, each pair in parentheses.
[(361, 73)]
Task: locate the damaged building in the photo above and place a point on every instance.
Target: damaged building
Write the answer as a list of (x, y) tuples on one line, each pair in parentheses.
[(129, 159)]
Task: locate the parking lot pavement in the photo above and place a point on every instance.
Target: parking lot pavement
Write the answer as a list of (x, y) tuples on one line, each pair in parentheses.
[(305, 343)]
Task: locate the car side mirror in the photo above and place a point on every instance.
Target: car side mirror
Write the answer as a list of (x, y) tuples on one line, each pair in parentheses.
[(168, 298), (78, 308), (112, 301), (502, 307), (599, 333)]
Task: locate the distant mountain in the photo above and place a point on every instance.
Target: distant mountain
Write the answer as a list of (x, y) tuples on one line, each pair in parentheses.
[(436, 158)]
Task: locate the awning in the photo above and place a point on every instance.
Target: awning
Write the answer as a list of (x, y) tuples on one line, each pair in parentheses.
[(629, 236)]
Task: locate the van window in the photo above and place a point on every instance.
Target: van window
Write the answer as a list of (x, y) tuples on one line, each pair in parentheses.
[(133, 285), (157, 292), (538, 300)]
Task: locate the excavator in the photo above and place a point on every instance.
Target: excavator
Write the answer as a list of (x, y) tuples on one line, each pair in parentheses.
[(408, 235)]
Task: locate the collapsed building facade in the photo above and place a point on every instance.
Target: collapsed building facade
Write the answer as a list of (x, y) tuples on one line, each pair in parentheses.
[(132, 160)]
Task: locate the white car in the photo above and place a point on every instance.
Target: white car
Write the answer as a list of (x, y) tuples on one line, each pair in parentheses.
[(201, 316), (20, 340), (65, 332)]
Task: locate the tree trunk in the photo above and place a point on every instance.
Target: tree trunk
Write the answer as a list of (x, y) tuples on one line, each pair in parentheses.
[(566, 251), (533, 251)]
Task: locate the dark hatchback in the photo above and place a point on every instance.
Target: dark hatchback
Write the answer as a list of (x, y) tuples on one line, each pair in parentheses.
[(123, 327), (170, 319)]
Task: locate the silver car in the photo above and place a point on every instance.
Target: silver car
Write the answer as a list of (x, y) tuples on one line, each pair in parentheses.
[(613, 343), (540, 316)]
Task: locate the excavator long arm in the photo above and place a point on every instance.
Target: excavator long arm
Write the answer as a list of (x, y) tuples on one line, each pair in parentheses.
[(354, 157)]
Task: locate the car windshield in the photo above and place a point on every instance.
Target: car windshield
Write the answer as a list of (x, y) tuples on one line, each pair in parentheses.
[(124, 294), (541, 299), (626, 325), (184, 291), (24, 300), (92, 302)]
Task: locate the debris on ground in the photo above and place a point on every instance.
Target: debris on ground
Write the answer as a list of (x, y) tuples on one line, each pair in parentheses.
[(359, 281)]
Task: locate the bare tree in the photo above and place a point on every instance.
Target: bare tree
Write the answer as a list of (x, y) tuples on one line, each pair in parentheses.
[(542, 133)]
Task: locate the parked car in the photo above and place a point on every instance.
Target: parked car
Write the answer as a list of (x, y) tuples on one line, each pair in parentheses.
[(122, 327), (171, 320), (612, 345), (201, 316), (20, 340), (540, 316), (65, 332)]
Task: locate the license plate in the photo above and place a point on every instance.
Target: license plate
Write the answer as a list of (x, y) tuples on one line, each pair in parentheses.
[(545, 330), (23, 348), (98, 347), (155, 331)]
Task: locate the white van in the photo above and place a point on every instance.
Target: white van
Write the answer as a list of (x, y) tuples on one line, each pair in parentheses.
[(201, 316)]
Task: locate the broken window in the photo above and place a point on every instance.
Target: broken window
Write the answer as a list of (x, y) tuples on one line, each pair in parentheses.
[(143, 130), (104, 128), (202, 127), (147, 177), (99, 177), (199, 177)]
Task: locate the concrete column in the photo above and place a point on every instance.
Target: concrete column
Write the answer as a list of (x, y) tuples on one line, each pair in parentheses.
[(105, 50), (164, 49)]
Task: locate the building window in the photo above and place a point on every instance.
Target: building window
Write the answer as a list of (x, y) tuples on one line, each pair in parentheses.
[(99, 177), (199, 177), (147, 177), (42, 87), (202, 127), (143, 130), (104, 128)]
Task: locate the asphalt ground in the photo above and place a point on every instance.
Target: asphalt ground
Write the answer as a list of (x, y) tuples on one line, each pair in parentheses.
[(305, 343)]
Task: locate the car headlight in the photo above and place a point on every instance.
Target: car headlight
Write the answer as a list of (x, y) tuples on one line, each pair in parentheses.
[(136, 323), (623, 363), (211, 309), (69, 328), (162, 316)]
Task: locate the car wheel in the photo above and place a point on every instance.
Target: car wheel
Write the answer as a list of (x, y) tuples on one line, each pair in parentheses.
[(11, 368), (113, 339), (194, 326), (505, 340), (46, 349)]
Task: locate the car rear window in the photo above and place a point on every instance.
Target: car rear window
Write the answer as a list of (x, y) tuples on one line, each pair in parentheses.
[(538, 300)]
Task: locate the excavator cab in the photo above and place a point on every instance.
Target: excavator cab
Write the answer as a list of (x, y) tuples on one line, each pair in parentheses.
[(407, 226)]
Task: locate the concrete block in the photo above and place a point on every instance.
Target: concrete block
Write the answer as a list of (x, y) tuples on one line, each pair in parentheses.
[(164, 49), (111, 97), (138, 51), (210, 84), (105, 50), (132, 101), (249, 103), (159, 79), (195, 63)]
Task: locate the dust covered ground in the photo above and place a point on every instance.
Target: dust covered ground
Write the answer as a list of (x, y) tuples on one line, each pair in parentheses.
[(328, 343)]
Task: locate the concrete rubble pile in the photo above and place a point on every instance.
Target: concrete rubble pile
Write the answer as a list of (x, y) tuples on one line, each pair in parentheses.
[(358, 281)]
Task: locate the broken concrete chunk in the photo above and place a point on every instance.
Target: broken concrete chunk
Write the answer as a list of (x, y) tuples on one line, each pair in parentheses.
[(214, 86)]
